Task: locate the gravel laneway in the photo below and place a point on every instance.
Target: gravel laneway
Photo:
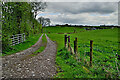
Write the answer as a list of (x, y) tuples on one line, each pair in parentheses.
[(40, 66)]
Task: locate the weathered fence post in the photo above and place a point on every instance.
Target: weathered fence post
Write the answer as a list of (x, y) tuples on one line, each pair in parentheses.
[(75, 46), (66, 41), (91, 52)]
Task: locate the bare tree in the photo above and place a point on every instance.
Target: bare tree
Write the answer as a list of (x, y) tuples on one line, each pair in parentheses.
[(44, 21), (38, 6)]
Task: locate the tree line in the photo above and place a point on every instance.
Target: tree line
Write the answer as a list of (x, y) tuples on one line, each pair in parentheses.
[(20, 17)]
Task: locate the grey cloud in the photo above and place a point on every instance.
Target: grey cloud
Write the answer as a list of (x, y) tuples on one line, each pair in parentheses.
[(86, 19), (68, 19), (82, 7), (80, 12)]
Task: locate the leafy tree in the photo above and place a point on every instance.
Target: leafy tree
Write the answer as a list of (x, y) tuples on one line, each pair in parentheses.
[(18, 17)]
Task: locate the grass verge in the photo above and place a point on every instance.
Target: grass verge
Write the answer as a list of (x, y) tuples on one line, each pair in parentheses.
[(44, 43), (22, 46)]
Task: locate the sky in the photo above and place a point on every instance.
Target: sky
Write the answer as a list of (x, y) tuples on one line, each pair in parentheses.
[(81, 13)]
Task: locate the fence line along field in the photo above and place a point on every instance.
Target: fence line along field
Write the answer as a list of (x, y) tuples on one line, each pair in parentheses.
[(105, 50)]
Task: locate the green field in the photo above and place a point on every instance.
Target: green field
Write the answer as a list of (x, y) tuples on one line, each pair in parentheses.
[(61, 30), (105, 47)]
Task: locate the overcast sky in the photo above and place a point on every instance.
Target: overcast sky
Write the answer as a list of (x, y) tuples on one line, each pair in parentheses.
[(90, 13)]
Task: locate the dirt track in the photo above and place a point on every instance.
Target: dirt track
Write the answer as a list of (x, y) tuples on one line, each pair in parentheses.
[(40, 66)]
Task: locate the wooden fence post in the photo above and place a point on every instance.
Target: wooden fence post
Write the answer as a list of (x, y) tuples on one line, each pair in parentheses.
[(91, 52), (66, 41), (75, 46)]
